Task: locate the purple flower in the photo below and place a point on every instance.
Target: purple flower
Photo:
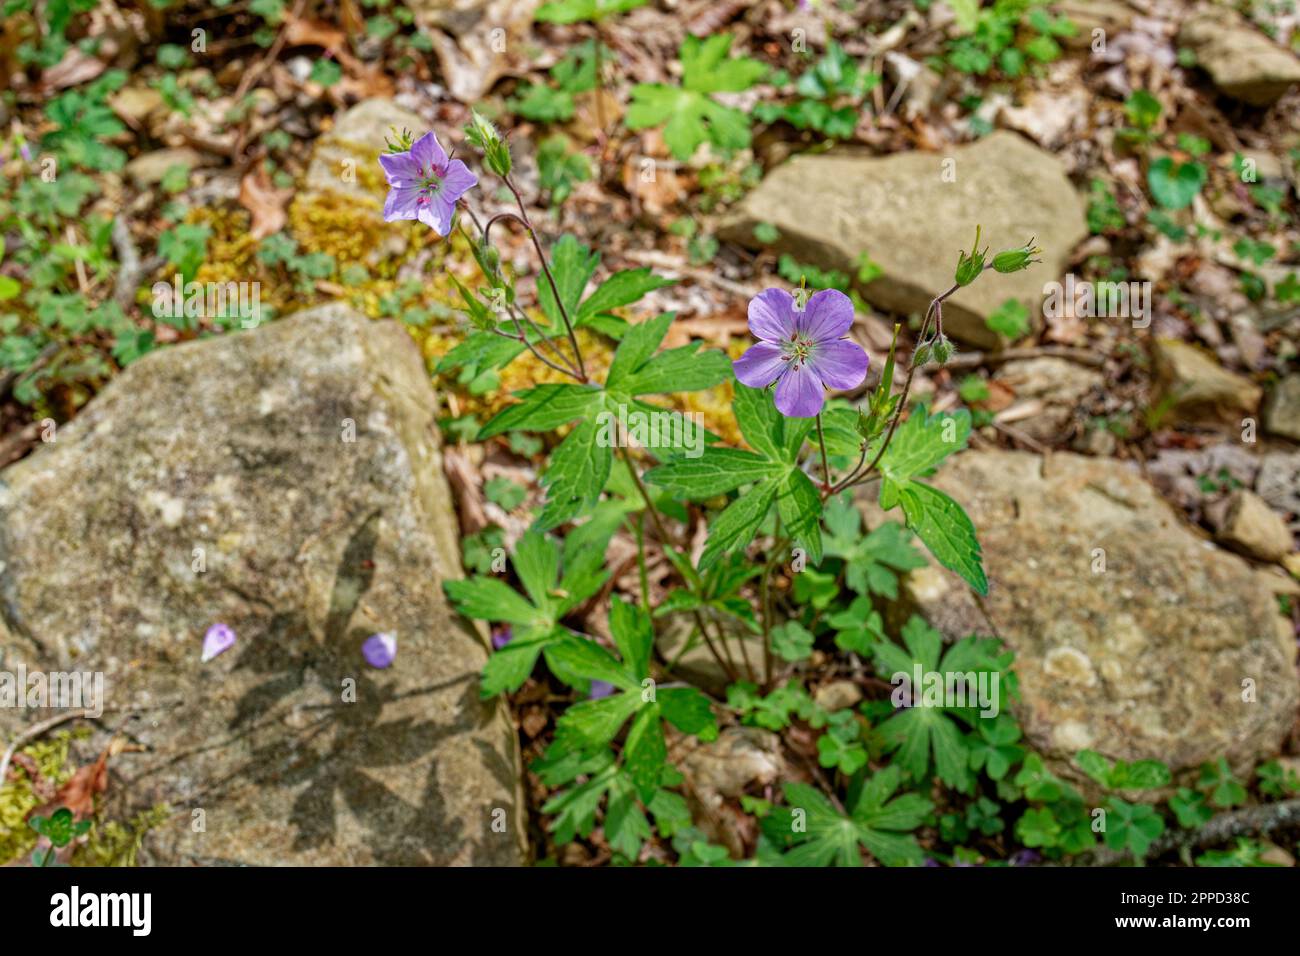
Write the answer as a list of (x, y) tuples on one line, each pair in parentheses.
[(1025, 858), (218, 639), (600, 688), (425, 184), (379, 650), (501, 636), (805, 352)]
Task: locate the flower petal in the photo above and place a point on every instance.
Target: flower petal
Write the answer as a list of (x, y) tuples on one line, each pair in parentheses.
[(218, 639), (403, 202), (428, 152), (436, 214), (771, 315), (400, 168), (799, 394), (760, 366), (379, 650), (828, 314), (457, 181), (839, 364)]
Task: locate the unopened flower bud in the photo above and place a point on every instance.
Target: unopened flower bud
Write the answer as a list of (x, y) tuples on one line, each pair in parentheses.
[(1013, 260), (970, 266)]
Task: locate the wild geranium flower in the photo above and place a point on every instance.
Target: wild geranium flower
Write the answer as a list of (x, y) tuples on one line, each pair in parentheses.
[(218, 639), (425, 184), (379, 650), (804, 352)]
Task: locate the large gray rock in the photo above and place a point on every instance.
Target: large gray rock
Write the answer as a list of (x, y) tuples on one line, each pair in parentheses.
[(1242, 62), (1133, 636), (216, 482), (910, 219)]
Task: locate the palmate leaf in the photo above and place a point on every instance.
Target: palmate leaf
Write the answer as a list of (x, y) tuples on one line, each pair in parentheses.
[(923, 732), (593, 724), (535, 618), (876, 823), (689, 114), (872, 563)]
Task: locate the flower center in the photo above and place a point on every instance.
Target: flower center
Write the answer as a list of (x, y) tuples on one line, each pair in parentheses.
[(797, 350), (430, 182)]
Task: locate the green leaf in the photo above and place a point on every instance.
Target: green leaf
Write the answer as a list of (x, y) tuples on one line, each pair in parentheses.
[(620, 289), (491, 599), (921, 443), (684, 369), (688, 710), (572, 264), (508, 668), (543, 408), (633, 635), (800, 506), (945, 529), (738, 522), (1175, 185), (878, 824), (645, 751), (577, 472), (716, 472), (584, 656), (792, 641)]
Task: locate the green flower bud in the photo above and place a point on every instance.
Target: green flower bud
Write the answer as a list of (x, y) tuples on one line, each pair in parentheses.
[(496, 152), (942, 350), (1013, 260), (970, 266), (921, 355)]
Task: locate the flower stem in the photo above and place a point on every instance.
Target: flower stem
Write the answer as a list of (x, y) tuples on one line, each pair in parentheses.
[(727, 668), (546, 268), (860, 474), (516, 313), (826, 468)]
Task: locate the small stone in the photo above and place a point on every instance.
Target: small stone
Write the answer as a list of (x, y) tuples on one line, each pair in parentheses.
[(1112, 17), (135, 103), (1292, 564), (1242, 62), (1198, 389), (1276, 856), (148, 169), (1250, 526), (1055, 386), (1282, 413), (838, 695)]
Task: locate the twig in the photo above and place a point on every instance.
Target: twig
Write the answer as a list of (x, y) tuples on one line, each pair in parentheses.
[(975, 359), (34, 731), (1262, 819)]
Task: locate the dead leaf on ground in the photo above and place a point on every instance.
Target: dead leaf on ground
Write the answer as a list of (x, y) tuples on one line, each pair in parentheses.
[(264, 201)]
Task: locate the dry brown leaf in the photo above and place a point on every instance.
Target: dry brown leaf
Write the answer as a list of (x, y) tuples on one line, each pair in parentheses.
[(266, 203), (78, 794)]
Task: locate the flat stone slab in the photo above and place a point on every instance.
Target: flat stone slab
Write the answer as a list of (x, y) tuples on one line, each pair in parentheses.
[(287, 482), (913, 212), (1133, 636)]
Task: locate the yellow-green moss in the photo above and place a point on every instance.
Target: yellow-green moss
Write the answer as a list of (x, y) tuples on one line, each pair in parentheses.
[(18, 799)]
